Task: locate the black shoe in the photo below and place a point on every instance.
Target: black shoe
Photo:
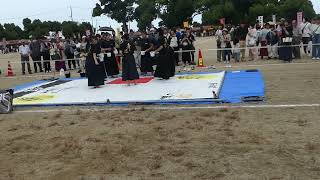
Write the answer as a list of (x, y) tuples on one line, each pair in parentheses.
[(23, 73)]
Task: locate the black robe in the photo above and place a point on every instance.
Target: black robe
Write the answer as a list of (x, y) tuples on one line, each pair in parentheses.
[(129, 68), (111, 64), (146, 61), (95, 73), (164, 63)]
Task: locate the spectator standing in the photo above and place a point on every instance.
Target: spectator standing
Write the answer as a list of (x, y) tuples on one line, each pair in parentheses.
[(306, 38), (192, 40), (296, 39), (263, 40), (236, 50), (315, 30), (186, 47), (69, 52), (285, 51), (226, 45), (241, 34), (35, 49), (218, 38), (174, 44), (252, 42), (45, 52), (24, 51), (272, 40)]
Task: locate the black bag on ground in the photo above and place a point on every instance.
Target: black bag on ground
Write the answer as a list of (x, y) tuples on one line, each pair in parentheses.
[(6, 99)]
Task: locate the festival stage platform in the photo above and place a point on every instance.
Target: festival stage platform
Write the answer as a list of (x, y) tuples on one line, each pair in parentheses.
[(189, 88)]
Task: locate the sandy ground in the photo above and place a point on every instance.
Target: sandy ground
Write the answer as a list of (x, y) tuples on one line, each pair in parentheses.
[(244, 144)]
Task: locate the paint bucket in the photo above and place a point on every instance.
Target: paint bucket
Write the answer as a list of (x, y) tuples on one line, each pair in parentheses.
[(82, 74), (143, 53), (68, 75), (152, 54)]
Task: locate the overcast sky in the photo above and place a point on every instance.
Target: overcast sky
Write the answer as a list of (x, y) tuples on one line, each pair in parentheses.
[(13, 11)]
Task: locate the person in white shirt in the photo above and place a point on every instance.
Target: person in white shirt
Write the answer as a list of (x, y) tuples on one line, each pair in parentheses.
[(174, 44), (315, 31), (304, 26), (24, 51), (218, 38), (252, 42)]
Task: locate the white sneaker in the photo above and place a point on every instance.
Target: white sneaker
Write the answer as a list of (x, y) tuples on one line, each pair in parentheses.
[(318, 58), (313, 58)]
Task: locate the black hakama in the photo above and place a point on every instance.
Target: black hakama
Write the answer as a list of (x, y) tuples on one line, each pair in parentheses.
[(129, 68), (146, 60), (285, 53), (186, 54), (95, 73), (111, 63), (164, 65)]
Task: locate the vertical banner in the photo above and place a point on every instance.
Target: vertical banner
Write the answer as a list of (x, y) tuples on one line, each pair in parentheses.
[(223, 21), (260, 20), (274, 19), (299, 18), (186, 24)]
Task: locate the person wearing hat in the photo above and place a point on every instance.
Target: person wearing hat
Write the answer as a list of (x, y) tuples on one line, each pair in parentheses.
[(94, 67), (129, 68)]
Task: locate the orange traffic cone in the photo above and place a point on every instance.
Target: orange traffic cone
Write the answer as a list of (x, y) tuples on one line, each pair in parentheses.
[(200, 60), (10, 71)]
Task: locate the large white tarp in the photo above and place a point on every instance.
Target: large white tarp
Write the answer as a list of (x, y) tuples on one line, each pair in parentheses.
[(181, 87)]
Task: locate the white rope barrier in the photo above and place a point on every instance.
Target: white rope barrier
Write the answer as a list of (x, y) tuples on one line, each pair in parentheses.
[(204, 50)]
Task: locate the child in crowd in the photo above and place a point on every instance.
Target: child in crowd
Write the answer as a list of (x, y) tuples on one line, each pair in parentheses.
[(226, 45), (236, 50), (272, 41)]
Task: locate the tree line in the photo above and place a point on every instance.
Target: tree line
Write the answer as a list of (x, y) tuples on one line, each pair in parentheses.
[(37, 28), (172, 13)]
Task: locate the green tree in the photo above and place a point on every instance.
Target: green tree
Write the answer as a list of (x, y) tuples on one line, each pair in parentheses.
[(174, 12), (289, 8), (119, 10), (145, 13)]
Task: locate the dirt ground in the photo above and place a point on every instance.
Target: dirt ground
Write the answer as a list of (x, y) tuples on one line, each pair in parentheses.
[(239, 144)]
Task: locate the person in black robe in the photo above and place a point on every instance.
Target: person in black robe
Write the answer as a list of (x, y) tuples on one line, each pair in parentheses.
[(94, 67), (111, 65), (164, 63), (186, 48), (146, 61), (129, 68), (285, 49)]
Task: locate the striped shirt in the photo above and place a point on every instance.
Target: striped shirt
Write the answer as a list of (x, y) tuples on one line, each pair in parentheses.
[(315, 28)]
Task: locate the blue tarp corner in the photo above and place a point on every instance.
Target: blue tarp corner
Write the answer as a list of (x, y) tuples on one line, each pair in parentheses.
[(239, 85)]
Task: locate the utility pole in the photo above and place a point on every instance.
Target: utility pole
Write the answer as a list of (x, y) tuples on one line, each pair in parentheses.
[(71, 13)]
